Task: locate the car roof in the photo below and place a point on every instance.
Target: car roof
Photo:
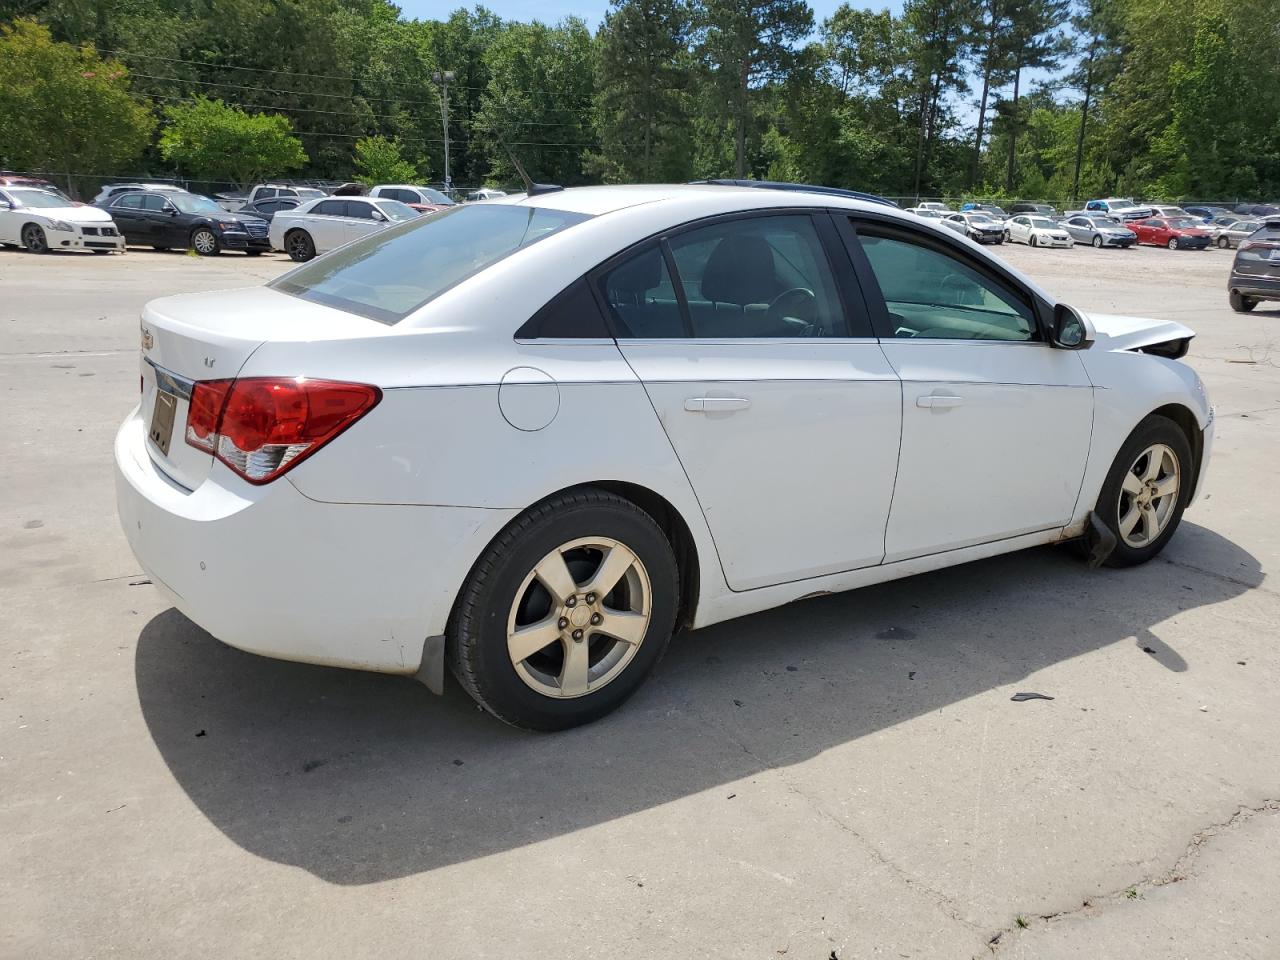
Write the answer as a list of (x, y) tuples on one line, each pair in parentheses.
[(596, 201)]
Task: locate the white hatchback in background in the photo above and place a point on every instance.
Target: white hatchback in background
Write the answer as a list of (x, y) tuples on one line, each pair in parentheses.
[(1037, 231), (42, 221), (318, 226), (531, 438)]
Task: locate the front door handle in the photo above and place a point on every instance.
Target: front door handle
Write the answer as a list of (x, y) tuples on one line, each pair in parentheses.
[(936, 400), (716, 404)]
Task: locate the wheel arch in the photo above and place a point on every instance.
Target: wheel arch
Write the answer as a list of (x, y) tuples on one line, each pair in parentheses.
[(1187, 423)]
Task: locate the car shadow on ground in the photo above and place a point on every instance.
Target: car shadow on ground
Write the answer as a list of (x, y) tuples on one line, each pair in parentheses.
[(360, 777)]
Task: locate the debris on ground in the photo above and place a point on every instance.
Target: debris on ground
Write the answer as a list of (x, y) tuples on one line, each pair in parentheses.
[(1029, 695)]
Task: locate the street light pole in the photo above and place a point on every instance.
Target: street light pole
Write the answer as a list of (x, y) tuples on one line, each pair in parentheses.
[(444, 79)]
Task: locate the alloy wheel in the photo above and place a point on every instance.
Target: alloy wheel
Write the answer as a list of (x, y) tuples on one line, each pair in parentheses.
[(1148, 495), (299, 247), (33, 239), (1097, 241), (1223, 243), (1173, 243), (579, 617), (204, 242)]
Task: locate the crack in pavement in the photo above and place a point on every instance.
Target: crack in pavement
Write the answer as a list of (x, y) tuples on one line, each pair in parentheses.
[(940, 899), (1179, 871)]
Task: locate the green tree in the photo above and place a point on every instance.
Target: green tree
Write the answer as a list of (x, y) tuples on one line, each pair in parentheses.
[(65, 109), (939, 32), (643, 73), (210, 140), (1036, 42), (1098, 43), (746, 43), (378, 160)]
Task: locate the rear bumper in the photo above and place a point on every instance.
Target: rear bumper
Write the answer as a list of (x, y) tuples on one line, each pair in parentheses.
[(1264, 288), (269, 571)]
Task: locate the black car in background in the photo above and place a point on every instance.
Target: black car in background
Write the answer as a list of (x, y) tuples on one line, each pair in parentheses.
[(1255, 272), (1034, 209), (186, 220), (269, 207)]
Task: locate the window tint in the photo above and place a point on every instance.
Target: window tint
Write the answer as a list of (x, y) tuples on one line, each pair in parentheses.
[(130, 201), (361, 211), (641, 297), (392, 272), (934, 295), (571, 315), (331, 208), (153, 201), (758, 277), (267, 191)]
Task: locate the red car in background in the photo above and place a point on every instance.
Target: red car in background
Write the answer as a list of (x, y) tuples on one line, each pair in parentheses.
[(1176, 233)]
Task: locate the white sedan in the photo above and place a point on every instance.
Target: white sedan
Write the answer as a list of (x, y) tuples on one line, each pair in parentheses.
[(322, 224), (532, 438), (41, 220), (1036, 231)]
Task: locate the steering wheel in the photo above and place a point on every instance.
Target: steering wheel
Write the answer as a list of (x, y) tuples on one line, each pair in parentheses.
[(798, 303)]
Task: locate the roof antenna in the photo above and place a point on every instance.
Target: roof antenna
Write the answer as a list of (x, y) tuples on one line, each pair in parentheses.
[(530, 188)]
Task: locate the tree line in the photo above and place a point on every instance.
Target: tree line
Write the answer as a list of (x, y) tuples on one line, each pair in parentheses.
[(998, 98)]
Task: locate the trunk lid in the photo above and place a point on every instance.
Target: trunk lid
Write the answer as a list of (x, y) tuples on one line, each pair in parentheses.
[(210, 336)]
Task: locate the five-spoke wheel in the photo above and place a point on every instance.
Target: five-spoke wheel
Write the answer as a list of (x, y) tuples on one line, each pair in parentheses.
[(1146, 490)]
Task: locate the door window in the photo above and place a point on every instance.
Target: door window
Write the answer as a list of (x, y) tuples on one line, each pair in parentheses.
[(641, 297), (130, 201), (931, 294), (153, 202), (759, 277), (361, 211), (331, 208)]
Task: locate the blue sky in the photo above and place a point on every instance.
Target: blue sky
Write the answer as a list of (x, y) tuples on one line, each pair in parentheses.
[(592, 11)]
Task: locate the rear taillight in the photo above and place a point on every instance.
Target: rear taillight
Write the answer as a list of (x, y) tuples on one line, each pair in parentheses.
[(261, 427), (1259, 245)]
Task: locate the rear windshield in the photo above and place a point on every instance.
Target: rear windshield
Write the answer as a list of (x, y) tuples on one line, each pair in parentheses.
[(391, 273)]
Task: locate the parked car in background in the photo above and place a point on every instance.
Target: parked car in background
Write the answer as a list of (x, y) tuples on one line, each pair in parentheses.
[(1222, 222), (1120, 208), (1036, 231), (310, 193), (1255, 271), (1207, 214), (1258, 209), (1036, 209), (386, 469), (926, 212), (41, 220), (18, 180), (990, 209), (115, 189), (1230, 236), (1176, 233), (485, 193), (422, 199), (321, 225), (935, 205), (268, 207), (979, 226), (1098, 231), (1168, 212), (186, 221)]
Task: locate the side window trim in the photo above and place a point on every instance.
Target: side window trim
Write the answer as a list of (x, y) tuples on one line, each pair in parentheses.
[(682, 299), (875, 298)]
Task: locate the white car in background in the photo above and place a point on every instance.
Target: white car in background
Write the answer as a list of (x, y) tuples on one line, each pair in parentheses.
[(318, 226), (42, 221), (1037, 231), (533, 437)]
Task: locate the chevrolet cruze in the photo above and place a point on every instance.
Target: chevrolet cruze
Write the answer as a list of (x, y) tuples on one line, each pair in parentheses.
[(529, 439)]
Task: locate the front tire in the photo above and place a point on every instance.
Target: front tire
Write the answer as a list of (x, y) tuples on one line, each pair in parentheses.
[(1146, 490), (1173, 243), (566, 613), (1097, 243), (1034, 241), (204, 242), (33, 238), (299, 246), (1240, 303)]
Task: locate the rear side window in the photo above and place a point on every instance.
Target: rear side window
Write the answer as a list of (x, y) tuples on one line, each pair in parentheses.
[(331, 208), (391, 273), (642, 299), (130, 201), (572, 315)]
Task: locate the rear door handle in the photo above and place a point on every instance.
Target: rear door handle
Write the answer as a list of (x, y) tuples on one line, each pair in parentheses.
[(938, 400), (716, 404)]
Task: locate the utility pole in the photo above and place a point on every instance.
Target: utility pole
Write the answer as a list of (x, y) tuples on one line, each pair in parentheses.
[(444, 79)]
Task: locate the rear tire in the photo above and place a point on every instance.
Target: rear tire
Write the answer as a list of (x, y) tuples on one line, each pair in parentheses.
[(299, 246), (1155, 458), (1224, 243), (1240, 303), (578, 673)]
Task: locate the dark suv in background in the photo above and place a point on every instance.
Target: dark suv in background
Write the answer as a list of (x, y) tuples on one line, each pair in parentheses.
[(1255, 272)]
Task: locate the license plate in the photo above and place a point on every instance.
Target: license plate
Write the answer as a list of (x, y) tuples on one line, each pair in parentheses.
[(162, 420)]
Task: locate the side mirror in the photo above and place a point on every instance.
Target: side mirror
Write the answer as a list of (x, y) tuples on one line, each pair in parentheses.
[(377, 215), (1070, 331)]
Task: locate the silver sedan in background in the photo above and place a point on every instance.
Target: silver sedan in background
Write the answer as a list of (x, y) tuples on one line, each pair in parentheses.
[(1230, 236), (1099, 231)]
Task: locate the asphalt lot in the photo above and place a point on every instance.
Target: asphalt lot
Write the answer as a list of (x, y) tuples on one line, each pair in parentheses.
[(844, 777)]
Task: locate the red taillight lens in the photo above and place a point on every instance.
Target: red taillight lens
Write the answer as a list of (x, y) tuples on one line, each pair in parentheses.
[(1259, 244), (261, 427)]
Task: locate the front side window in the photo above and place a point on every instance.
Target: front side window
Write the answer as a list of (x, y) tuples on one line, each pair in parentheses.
[(933, 295), (392, 272), (153, 202), (758, 277)]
